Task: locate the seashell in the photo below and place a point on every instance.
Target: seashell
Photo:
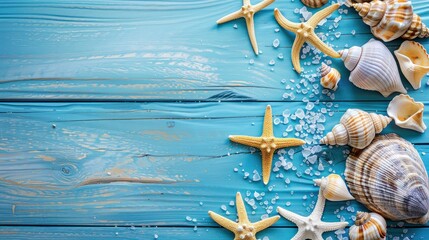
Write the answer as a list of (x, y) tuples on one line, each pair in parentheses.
[(314, 3), (389, 178), (391, 19), (329, 77), (407, 113), (368, 226), (334, 188), (357, 128), (373, 67), (414, 62)]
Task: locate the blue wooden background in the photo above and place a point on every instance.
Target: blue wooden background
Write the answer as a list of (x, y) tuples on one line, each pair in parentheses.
[(114, 118)]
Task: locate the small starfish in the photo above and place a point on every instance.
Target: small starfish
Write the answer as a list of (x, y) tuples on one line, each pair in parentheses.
[(305, 33), (311, 227), (267, 143), (244, 229), (247, 11)]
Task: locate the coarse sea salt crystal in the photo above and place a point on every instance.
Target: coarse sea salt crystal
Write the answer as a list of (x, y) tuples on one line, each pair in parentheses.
[(276, 43)]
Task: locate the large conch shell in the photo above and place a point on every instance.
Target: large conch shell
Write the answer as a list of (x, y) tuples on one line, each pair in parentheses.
[(314, 3), (392, 19), (407, 113), (368, 226), (334, 188), (329, 77), (357, 128), (389, 178), (414, 62), (373, 67)]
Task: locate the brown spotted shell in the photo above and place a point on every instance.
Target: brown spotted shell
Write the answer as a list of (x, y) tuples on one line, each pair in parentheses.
[(368, 226), (389, 178)]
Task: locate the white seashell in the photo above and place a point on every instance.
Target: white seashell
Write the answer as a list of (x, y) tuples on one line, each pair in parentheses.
[(357, 128), (389, 178), (334, 188), (373, 67), (414, 62), (329, 77), (368, 226), (314, 3), (407, 113)]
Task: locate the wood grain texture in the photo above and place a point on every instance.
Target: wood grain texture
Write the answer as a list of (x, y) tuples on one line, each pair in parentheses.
[(157, 50), (107, 164), (164, 233)]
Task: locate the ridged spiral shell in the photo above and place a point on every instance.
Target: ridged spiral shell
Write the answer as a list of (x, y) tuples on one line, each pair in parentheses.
[(333, 188), (329, 77), (389, 178), (373, 67), (357, 128), (392, 19), (314, 3), (368, 226)]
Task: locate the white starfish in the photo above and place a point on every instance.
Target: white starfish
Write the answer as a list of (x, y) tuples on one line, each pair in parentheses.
[(311, 227)]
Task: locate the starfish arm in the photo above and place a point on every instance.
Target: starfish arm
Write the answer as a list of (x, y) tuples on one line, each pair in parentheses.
[(267, 222), (288, 142), (251, 31), (246, 2), (320, 206), (316, 42), (223, 221), (286, 24), (268, 123), (258, 7), (230, 17), (241, 209), (267, 161), (293, 217), (299, 235), (322, 14), (332, 226), (296, 48), (246, 140)]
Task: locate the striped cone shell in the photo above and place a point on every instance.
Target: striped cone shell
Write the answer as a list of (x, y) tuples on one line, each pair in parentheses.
[(329, 77), (314, 3), (357, 128), (391, 19), (389, 178), (368, 226)]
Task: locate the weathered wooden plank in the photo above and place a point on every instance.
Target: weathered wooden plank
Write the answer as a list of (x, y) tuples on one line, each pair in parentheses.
[(152, 163), (154, 50), (163, 233)]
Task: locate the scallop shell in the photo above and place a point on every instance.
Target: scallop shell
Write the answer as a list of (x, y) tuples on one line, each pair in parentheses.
[(329, 77), (414, 62), (407, 113), (392, 19), (334, 188), (389, 178), (314, 3), (357, 128), (368, 226), (373, 67)]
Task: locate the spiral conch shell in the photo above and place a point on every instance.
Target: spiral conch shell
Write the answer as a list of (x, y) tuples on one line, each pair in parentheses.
[(368, 226), (329, 77), (407, 113), (414, 62), (373, 68), (334, 188), (391, 19), (357, 128), (389, 178), (314, 3)]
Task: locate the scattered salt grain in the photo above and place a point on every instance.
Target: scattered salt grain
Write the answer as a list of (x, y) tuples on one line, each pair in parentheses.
[(276, 43)]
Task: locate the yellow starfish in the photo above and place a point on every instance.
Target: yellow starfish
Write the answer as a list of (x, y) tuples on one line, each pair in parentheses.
[(305, 33), (244, 229), (267, 143), (247, 11)]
